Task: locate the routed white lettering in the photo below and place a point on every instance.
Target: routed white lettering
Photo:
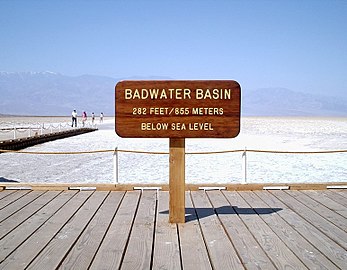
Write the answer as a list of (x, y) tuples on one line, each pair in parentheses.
[(200, 126), (213, 94), (154, 126), (177, 93), (128, 94), (155, 93)]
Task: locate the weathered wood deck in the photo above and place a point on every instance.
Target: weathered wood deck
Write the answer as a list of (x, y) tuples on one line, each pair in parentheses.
[(130, 230)]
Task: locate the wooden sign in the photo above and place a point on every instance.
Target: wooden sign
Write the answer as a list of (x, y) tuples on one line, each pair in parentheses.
[(178, 109)]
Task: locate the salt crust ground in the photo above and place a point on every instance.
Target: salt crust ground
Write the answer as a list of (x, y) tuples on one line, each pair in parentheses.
[(268, 133)]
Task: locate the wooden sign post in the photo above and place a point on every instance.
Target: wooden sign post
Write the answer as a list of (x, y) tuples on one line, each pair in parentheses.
[(177, 180), (178, 110)]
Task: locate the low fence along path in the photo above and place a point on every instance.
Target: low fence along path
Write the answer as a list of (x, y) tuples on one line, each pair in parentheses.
[(16, 136)]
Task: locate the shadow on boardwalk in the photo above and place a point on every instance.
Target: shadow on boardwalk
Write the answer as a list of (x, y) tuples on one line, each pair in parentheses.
[(193, 213)]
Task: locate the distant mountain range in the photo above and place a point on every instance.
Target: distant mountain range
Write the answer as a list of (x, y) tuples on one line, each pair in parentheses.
[(284, 102), (47, 93)]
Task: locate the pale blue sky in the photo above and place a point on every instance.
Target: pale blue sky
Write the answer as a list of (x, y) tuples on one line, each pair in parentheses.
[(296, 44)]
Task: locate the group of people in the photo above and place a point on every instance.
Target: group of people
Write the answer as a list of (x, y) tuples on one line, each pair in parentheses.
[(84, 118)]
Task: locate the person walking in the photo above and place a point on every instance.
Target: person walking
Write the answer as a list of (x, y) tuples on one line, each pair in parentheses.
[(93, 118), (84, 118), (101, 117), (74, 118)]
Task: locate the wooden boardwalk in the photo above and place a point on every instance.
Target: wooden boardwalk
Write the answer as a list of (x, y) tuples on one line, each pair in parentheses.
[(130, 230), (24, 142)]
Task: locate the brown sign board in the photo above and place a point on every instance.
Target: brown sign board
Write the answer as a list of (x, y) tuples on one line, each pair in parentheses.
[(178, 109)]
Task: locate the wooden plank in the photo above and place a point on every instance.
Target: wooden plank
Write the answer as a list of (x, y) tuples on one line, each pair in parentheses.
[(166, 253), (318, 221), (318, 239), (52, 255), (25, 253), (337, 197), (323, 198), (327, 207), (24, 213), (251, 254), (177, 180), (220, 249), (320, 208), (12, 198), (112, 249), (193, 250), (341, 192), (4, 194), (273, 246), (14, 239), (306, 252), (19, 204), (83, 251), (138, 254), (165, 187)]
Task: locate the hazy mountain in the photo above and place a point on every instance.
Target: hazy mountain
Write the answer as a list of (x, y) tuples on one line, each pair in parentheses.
[(285, 102), (47, 93)]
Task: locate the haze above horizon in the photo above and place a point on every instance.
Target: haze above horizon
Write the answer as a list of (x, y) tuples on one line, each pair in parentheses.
[(299, 45)]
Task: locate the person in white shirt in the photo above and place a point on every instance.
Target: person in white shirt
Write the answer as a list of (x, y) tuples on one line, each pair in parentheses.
[(101, 117), (74, 118), (93, 118)]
